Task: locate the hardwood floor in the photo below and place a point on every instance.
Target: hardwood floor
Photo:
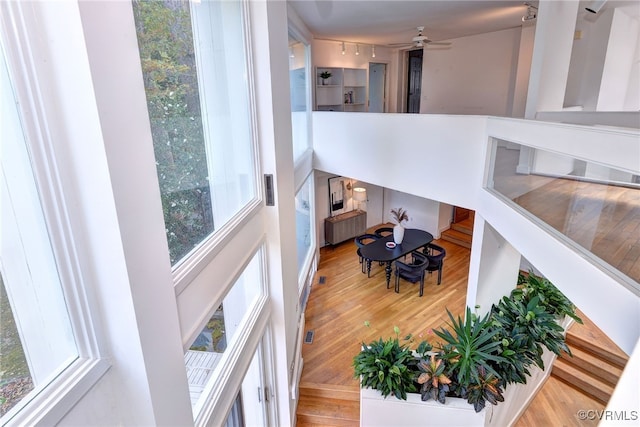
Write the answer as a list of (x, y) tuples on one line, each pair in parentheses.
[(337, 310), (336, 313)]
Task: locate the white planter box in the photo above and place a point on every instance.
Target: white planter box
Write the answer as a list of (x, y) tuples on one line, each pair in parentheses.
[(375, 410)]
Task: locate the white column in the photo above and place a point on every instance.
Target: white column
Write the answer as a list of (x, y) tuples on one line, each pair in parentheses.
[(551, 56), (146, 348), (617, 76), (525, 54), (493, 269)]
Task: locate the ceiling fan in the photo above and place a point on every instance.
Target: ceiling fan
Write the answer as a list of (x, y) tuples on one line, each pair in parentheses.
[(420, 41)]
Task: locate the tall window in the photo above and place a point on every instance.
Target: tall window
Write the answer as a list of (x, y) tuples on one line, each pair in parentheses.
[(298, 83), (303, 223), (196, 81), (208, 354), (36, 338)]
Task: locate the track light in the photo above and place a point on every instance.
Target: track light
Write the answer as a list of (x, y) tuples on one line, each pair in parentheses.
[(343, 51), (357, 49), (595, 6), (373, 51)]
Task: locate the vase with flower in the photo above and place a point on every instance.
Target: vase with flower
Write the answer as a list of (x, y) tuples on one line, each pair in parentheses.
[(399, 215)]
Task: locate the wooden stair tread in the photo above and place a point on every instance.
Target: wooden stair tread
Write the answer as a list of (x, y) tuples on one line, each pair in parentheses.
[(327, 411), (582, 381), (331, 391), (465, 227), (591, 339), (594, 365), (457, 237)]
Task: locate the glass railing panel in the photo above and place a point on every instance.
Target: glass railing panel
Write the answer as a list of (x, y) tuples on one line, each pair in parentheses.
[(596, 206)]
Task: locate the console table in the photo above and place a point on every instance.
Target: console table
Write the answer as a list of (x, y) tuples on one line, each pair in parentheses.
[(345, 226)]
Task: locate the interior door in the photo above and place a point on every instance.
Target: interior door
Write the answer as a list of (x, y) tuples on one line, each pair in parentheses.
[(377, 79), (414, 81)]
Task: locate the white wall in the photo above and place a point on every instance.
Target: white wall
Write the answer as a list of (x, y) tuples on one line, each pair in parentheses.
[(423, 213), (476, 75), (416, 160)]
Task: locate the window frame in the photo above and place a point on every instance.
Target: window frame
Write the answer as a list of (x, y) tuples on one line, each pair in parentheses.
[(192, 264), (295, 30), (48, 403), (307, 264)]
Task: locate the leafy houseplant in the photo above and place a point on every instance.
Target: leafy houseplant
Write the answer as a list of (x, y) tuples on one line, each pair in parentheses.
[(435, 384), (554, 301), (478, 356), (324, 76), (471, 352), (387, 366)]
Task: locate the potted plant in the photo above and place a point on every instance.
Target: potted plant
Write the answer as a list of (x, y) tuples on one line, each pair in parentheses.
[(398, 216), (479, 356), (325, 75), (387, 366)]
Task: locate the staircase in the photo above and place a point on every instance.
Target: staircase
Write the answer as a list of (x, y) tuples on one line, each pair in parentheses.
[(596, 365), (328, 405), (460, 233)]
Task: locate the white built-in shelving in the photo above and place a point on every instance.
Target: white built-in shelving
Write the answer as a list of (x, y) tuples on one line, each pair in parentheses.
[(345, 90)]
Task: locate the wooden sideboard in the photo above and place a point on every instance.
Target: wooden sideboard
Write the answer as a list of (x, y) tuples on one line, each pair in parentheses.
[(345, 226)]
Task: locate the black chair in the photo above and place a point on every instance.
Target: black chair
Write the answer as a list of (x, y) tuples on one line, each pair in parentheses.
[(360, 241), (383, 231), (435, 254), (413, 272)]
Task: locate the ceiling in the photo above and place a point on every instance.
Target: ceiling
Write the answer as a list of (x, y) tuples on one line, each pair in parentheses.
[(383, 22)]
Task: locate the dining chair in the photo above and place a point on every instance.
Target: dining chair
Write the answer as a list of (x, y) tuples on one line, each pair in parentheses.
[(360, 242), (435, 254), (383, 231), (412, 272)]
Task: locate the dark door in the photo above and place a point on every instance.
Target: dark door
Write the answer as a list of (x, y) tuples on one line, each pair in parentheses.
[(414, 81), (460, 214)]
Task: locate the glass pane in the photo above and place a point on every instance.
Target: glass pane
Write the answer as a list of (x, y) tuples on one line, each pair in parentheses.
[(594, 205), (195, 76), (205, 357), (303, 222), (299, 95), (15, 378)]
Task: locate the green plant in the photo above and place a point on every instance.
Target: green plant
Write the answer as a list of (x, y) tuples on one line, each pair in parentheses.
[(435, 384), (399, 215), (470, 347), (487, 389), (554, 301), (325, 75), (387, 366), (531, 327)]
